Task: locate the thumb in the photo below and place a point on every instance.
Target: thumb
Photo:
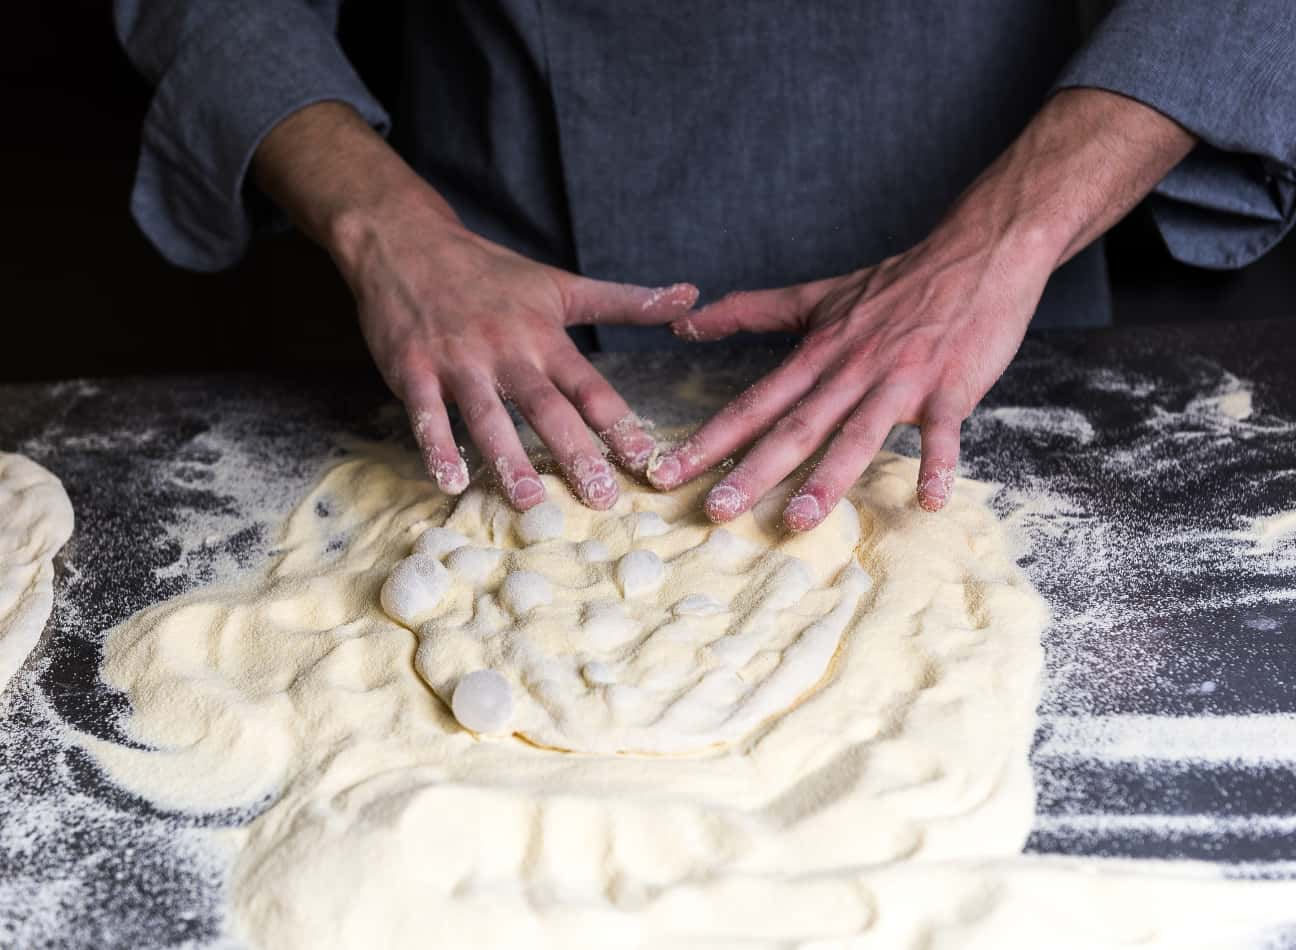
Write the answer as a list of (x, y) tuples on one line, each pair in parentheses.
[(601, 301), (783, 309)]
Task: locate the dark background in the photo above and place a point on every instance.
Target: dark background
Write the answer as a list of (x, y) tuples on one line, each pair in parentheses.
[(85, 294)]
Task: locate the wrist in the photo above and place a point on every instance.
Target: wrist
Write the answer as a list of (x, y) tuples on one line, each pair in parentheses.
[(341, 183), (1084, 161), (351, 225)]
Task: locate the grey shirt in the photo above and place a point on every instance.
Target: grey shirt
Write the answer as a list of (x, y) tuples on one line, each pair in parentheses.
[(733, 144)]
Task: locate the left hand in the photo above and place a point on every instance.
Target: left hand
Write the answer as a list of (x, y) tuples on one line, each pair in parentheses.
[(917, 339), (921, 337)]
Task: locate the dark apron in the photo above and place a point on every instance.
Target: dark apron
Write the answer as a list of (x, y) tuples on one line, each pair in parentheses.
[(732, 144)]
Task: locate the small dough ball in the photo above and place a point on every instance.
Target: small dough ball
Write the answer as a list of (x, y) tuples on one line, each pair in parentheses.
[(473, 565), (438, 542), (640, 572), (593, 551), (525, 590), (544, 522), (414, 588), (606, 625), (483, 702), (649, 524), (698, 605), (597, 673)]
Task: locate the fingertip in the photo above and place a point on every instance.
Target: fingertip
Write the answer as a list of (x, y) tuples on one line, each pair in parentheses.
[(596, 484), (527, 493), (524, 491), (935, 487), (803, 512), (630, 442), (685, 295), (686, 329), (663, 472), (451, 475), (673, 297), (724, 503)]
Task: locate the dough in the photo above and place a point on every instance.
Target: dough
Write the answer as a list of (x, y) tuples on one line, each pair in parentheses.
[(673, 637), (885, 806), (35, 522)]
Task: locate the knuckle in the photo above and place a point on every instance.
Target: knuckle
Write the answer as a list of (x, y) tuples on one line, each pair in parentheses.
[(588, 391), (538, 398), (477, 410), (859, 430), (797, 428)]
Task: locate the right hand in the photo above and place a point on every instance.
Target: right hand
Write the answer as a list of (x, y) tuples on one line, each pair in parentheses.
[(451, 317)]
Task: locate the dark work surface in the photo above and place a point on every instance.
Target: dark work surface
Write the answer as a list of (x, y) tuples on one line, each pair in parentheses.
[(1132, 497)]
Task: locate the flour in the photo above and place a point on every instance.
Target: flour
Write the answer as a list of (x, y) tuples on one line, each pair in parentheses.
[(1067, 423), (35, 522), (883, 811), (1164, 551)]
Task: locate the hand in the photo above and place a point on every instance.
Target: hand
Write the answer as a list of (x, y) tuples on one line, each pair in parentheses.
[(922, 336), (919, 338), (451, 317)]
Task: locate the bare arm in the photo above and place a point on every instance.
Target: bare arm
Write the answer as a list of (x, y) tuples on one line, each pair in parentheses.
[(453, 318), (921, 337)]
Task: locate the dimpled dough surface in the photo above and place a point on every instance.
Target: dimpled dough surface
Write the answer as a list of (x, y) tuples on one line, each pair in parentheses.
[(882, 804), (680, 637)]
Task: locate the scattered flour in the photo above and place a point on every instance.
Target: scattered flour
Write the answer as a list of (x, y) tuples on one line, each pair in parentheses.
[(886, 810), (332, 821), (1067, 423)]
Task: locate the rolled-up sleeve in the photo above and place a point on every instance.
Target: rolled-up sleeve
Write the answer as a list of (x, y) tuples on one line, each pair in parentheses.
[(226, 72), (1226, 71)]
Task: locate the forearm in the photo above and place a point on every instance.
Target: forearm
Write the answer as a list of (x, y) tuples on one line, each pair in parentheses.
[(1085, 160), (338, 179)]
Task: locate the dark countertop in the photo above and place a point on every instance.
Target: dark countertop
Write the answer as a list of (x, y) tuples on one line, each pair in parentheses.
[(1168, 724)]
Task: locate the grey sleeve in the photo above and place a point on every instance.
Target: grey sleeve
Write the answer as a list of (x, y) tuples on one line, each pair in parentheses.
[(1226, 71), (226, 72)]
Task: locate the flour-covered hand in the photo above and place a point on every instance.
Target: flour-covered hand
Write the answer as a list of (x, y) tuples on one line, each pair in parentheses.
[(917, 339), (451, 317), (920, 337)]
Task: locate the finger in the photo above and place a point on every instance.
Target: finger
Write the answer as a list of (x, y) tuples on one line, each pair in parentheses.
[(792, 440), (492, 429), (941, 423), (601, 301), (561, 428), (603, 408), (754, 411), (436, 443), (759, 311), (849, 453)]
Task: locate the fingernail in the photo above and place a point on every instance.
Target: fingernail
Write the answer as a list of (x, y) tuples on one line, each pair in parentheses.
[(934, 490), (685, 330), (451, 477), (802, 513), (599, 490), (636, 456), (664, 472), (634, 446), (527, 492), (723, 502)]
